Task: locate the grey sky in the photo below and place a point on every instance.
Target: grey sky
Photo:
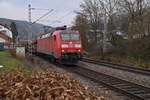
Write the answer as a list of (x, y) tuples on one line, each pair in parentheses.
[(18, 9)]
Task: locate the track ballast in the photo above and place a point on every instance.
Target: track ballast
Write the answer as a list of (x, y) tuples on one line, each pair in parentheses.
[(129, 89), (123, 67), (135, 91)]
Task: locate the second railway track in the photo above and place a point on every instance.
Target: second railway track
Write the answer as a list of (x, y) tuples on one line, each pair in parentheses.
[(119, 66), (129, 89)]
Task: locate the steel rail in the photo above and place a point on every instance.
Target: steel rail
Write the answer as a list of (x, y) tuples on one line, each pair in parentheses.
[(135, 91), (124, 67)]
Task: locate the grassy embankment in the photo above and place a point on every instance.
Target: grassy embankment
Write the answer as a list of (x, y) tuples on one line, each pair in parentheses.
[(11, 63)]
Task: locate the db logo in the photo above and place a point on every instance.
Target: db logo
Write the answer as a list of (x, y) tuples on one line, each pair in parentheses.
[(70, 44)]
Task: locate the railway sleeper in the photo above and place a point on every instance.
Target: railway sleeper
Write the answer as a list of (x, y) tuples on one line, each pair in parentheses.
[(132, 90), (129, 87), (112, 82), (122, 85), (140, 92), (146, 96)]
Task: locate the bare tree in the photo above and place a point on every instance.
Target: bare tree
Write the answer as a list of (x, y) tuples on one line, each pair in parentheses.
[(108, 8), (81, 24), (90, 9), (136, 10), (99, 13)]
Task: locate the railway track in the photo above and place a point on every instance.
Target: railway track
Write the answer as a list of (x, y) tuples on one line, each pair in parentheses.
[(129, 89), (119, 66)]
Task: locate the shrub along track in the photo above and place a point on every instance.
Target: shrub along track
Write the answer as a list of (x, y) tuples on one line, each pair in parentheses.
[(122, 67)]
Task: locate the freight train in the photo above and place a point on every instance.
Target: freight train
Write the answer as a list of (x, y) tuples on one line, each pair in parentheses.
[(59, 44)]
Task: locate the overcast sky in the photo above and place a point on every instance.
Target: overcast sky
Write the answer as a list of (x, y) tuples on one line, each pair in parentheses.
[(63, 13)]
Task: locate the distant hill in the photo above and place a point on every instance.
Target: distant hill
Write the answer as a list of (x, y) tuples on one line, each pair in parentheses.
[(23, 27)]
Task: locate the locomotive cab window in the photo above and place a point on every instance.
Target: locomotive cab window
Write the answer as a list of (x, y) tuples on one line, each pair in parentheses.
[(55, 37), (70, 36)]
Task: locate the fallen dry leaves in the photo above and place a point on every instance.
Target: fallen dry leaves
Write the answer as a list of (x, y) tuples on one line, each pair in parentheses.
[(42, 86)]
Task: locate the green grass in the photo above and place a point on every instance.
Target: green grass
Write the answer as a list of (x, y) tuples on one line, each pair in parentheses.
[(11, 63)]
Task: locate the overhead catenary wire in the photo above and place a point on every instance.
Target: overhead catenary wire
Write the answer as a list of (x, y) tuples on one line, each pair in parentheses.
[(56, 16), (66, 15), (56, 8), (60, 19), (43, 16), (38, 9)]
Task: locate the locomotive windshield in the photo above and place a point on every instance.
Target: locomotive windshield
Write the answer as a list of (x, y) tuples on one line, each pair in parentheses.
[(71, 36)]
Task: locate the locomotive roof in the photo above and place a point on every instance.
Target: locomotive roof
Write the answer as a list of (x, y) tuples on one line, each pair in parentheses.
[(61, 31), (69, 31)]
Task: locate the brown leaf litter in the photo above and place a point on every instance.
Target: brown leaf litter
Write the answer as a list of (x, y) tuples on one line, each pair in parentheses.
[(42, 86)]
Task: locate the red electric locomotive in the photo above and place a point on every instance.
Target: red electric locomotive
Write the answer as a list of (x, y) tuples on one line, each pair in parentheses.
[(62, 45)]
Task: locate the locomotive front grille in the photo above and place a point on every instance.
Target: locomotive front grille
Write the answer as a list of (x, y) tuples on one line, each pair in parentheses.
[(71, 57)]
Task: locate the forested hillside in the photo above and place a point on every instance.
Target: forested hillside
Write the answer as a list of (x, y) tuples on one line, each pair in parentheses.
[(23, 27)]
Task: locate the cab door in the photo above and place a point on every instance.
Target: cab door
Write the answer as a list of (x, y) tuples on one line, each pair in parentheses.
[(55, 46), (52, 45)]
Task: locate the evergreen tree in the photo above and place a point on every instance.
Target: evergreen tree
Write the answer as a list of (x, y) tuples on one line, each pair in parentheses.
[(14, 31)]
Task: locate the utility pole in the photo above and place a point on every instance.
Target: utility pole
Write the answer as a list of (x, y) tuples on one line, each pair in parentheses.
[(30, 20), (29, 8)]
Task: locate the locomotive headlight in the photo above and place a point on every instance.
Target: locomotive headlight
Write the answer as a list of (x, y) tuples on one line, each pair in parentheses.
[(64, 45), (77, 45)]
